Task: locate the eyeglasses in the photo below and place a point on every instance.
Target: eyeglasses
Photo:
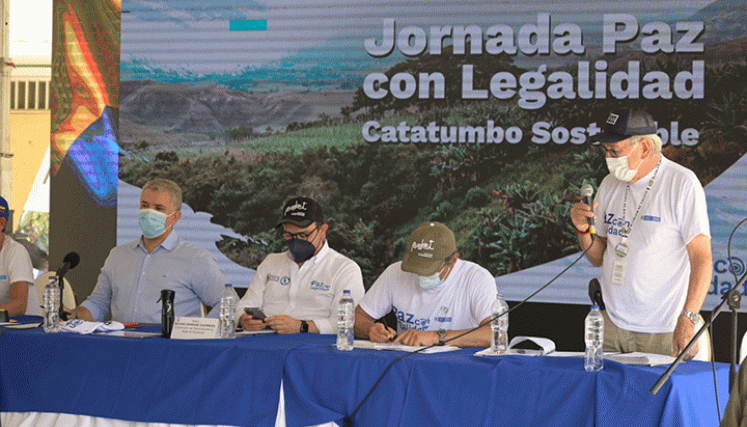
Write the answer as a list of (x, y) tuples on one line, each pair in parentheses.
[(302, 235)]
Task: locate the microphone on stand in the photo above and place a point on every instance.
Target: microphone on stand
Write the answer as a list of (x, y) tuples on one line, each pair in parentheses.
[(71, 260), (587, 191)]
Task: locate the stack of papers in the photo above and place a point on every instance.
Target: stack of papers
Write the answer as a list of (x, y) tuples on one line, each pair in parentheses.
[(400, 347), (633, 358), (640, 358)]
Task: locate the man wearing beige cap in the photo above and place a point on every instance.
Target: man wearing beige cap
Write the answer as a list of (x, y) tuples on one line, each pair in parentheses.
[(435, 295)]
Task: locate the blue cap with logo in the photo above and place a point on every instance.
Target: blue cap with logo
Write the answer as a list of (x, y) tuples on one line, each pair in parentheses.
[(4, 211)]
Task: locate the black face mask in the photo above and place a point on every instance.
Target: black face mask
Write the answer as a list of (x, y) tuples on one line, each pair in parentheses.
[(301, 250)]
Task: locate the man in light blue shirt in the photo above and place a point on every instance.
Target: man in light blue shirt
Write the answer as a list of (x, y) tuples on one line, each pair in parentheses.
[(134, 274)]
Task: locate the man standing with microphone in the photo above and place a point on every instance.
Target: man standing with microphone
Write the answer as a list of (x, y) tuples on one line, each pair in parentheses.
[(653, 240)]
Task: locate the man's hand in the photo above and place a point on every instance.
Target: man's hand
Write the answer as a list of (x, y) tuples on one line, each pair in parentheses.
[(416, 337), (71, 314), (683, 333), (248, 323), (284, 324), (381, 333), (580, 214)]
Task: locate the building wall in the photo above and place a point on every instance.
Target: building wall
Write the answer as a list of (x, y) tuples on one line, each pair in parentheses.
[(29, 141)]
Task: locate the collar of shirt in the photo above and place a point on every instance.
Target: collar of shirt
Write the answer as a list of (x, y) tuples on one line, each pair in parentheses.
[(169, 244)]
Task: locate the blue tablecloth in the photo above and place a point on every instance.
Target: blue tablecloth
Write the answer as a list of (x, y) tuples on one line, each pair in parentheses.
[(460, 389), (237, 382), (229, 382)]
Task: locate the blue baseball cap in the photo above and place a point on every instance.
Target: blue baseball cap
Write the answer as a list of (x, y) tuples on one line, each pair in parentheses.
[(4, 211), (625, 123)]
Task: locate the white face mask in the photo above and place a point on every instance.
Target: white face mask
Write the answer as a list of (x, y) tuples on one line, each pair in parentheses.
[(620, 168)]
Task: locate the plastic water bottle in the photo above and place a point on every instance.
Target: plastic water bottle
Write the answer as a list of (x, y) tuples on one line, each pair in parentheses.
[(52, 306), (594, 337), (345, 321), (228, 301), (499, 341)]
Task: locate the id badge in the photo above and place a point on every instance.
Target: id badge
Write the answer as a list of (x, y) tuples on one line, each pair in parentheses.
[(618, 272)]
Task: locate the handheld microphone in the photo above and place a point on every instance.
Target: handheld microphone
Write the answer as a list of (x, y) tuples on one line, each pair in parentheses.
[(587, 191)]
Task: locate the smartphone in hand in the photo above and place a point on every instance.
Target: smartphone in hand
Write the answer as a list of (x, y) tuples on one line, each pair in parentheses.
[(255, 312)]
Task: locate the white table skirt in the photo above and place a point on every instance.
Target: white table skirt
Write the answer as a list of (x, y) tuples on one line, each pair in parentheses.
[(46, 419)]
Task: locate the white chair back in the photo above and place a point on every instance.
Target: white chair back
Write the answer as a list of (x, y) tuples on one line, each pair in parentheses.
[(704, 343), (68, 297)]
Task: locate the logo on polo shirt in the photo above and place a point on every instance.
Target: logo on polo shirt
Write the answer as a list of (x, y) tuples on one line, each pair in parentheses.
[(444, 318), (285, 281), (316, 286), (409, 321)]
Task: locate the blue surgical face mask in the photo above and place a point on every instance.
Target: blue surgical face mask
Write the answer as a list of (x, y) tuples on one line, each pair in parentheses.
[(152, 223), (429, 282), (302, 250)]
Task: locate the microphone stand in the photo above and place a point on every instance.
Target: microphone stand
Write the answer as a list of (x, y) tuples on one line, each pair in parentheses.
[(61, 284), (733, 298)]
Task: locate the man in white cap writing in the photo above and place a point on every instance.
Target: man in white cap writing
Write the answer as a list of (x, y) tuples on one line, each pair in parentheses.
[(435, 295)]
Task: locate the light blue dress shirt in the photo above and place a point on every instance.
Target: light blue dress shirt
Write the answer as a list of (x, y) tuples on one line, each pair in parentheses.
[(131, 281)]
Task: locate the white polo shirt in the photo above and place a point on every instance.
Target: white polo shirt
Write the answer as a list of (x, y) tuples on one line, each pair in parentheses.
[(461, 301), (310, 292)]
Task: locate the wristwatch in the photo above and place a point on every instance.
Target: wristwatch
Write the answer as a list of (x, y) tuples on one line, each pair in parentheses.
[(441, 337), (694, 317), (304, 326)]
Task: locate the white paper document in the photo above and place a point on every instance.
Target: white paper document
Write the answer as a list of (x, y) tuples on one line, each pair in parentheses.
[(401, 347), (639, 358), (546, 346), (634, 358), (243, 333)]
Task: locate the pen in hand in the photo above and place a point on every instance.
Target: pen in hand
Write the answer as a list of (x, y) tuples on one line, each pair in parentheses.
[(390, 332)]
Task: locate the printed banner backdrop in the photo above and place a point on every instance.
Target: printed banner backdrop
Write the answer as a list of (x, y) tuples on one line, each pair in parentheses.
[(391, 113), (83, 145)]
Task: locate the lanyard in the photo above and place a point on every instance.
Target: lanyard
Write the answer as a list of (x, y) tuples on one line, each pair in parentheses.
[(622, 248)]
